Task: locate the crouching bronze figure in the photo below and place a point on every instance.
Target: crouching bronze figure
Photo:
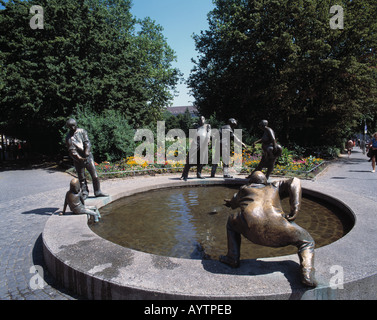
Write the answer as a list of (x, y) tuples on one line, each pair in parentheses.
[(263, 221)]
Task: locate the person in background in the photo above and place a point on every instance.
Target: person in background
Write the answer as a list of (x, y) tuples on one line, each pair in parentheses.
[(349, 147), (373, 153)]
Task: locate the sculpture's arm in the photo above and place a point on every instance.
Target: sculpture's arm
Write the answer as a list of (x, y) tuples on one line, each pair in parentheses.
[(257, 141), (65, 205), (72, 151), (293, 187), (87, 144), (236, 139), (271, 135), (234, 203)]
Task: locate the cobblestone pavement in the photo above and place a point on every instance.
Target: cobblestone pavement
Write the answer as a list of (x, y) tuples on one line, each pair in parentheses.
[(29, 197)]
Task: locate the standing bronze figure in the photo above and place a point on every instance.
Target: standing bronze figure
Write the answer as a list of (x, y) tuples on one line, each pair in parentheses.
[(226, 133), (198, 153), (271, 150), (74, 199), (79, 148), (263, 221)]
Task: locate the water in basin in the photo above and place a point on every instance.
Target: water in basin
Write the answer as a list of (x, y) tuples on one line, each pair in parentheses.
[(190, 222)]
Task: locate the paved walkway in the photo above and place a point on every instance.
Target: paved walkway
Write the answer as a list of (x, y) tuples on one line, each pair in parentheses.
[(29, 197), (351, 174)]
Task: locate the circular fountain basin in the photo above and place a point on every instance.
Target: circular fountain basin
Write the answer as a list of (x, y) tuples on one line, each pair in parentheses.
[(97, 268), (190, 222)]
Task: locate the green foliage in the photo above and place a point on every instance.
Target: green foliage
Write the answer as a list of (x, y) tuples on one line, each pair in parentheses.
[(279, 60), (286, 157), (326, 152), (109, 132), (89, 53), (183, 121), (214, 122)]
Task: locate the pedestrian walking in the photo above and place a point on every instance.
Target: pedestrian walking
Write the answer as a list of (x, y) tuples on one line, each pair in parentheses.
[(373, 148), (349, 147)]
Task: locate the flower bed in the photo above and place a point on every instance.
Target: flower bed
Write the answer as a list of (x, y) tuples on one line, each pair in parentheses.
[(306, 167)]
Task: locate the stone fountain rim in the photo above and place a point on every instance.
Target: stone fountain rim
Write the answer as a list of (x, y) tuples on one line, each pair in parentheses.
[(98, 269)]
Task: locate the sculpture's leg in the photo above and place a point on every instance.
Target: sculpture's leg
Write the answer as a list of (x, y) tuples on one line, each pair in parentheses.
[(94, 208), (270, 168), (185, 172), (234, 246), (96, 183), (213, 170), (226, 171), (94, 214), (306, 255), (199, 171), (83, 183)]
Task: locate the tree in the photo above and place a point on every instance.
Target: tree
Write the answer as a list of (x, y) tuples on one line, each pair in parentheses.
[(184, 121), (87, 55), (155, 57), (279, 60)]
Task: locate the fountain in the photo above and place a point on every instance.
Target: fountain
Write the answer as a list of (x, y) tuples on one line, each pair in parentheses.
[(175, 261), (97, 268)]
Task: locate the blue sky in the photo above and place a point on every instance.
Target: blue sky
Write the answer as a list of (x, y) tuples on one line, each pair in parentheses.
[(180, 19)]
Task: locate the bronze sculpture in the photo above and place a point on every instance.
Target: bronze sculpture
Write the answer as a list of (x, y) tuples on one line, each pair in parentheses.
[(198, 149), (262, 221), (226, 133), (271, 150), (74, 199), (79, 148)]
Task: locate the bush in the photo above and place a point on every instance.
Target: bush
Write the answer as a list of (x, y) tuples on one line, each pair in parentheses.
[(325, 151), (111, 136), (286, 157)]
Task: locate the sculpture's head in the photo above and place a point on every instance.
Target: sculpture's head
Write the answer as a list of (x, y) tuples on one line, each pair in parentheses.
[(71, 124), (258, 177), (263, 124), (74, 185), (202, 120), (232, 122)]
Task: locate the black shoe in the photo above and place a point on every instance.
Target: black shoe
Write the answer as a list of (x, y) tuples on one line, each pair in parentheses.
[(229, 261), (100, 194)]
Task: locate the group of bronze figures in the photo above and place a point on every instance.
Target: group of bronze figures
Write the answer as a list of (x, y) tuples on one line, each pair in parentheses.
[(261, 218), (199, 148)]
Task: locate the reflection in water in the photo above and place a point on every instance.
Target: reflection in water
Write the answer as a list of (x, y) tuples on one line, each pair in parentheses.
[(190, 222)]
